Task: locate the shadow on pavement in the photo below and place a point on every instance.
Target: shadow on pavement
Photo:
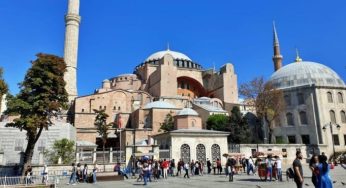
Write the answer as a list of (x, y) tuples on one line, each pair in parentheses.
[(249, 179)]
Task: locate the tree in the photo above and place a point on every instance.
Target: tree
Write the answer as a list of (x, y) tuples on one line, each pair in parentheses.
[(168, 124), (103, 130), (238, 127), (3, 87), (267, 100), (218, 122), (63, 149), (42, 96)]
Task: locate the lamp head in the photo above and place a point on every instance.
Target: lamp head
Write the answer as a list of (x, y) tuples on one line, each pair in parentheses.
[(338, 126), (324, 128)]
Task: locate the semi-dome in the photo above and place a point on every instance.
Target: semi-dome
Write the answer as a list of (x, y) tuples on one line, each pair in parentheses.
[(306, 73), (159, 104), (187, 112), (160, 54)]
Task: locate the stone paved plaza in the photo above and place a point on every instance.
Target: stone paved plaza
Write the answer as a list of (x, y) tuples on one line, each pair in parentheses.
[(219, 181)]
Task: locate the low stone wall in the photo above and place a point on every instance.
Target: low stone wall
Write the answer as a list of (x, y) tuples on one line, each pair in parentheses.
[(290, 149)]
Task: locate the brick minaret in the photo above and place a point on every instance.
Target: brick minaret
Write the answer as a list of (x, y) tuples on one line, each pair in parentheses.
[(277, 57), (72, 21)]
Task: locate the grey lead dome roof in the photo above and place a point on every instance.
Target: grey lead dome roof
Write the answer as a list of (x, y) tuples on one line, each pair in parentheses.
[(159, 104), (160, 54), (305, 73), (187, 112)]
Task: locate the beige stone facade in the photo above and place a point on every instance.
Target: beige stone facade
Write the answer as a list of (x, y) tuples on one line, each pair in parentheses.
[(166, 83)]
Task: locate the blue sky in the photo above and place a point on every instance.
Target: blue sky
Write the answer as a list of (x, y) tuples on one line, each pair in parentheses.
[(117, 35)]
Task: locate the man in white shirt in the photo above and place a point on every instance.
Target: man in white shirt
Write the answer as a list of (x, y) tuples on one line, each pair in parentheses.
[(278, 167), (250, 166)]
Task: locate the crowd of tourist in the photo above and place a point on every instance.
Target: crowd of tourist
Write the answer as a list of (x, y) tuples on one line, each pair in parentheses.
[(149, 170)]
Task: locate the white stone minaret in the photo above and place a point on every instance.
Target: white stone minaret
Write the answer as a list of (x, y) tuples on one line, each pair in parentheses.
[(72, 21)]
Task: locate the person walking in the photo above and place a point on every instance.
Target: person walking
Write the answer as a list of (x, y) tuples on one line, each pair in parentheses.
[(180, 166), (250, 166), (73, 175), (145, 172), (85, 173), (313, 166), (278, 168), (218, 166), (214, 166), (94, 173), (208, 166), (28, 175), (165, 165), (186, 168), (269, 167), (172, 166), (323, 178), (231, 162), (45, 175), (298, 170)]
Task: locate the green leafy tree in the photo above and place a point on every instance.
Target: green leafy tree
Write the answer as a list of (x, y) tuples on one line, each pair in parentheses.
[(103, 130), (168, 124), (268, 101), (64, 149), (42, 96), (217, 122), (238, 127), (3, 87)]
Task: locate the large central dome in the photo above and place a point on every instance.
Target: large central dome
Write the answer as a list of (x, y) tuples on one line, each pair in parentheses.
[(160, 54), (306, 73)]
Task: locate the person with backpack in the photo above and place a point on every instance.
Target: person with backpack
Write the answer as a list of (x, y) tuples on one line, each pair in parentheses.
[(298, 170), (73, 175)]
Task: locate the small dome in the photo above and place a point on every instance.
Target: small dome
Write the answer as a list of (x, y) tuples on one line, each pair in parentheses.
[(105, 80), (159, 104), (306, 73), (187, 112), (160, 54)]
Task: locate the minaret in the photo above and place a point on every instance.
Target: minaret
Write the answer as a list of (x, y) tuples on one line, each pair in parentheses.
[(72, 21), (277, 57)]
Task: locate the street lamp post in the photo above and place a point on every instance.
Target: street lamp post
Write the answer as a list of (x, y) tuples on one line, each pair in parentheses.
[(331, 133)]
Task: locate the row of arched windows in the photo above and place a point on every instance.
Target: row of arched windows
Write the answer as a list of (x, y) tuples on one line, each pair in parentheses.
[(339, 96), (185, 153), (333, 118)]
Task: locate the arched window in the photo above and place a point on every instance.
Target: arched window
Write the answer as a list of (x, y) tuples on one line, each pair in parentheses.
[(332, 116), (185, 153), (343, 117), (340, 98), (289, 118), (215, 152), (330, 97), (303, 118), (200, 153)]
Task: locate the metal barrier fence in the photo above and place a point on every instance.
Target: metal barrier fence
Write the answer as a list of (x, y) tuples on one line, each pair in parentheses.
[(15, 181)]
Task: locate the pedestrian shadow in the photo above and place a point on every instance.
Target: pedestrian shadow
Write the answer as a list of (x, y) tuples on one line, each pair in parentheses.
[(343, 166), (251, 180), (136, 184)]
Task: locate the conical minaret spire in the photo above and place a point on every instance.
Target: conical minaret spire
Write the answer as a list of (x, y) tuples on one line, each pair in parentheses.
[(72, 21), (277, 57)]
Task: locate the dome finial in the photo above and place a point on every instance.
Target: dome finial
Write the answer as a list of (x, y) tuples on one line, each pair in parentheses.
[(298, 59)]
